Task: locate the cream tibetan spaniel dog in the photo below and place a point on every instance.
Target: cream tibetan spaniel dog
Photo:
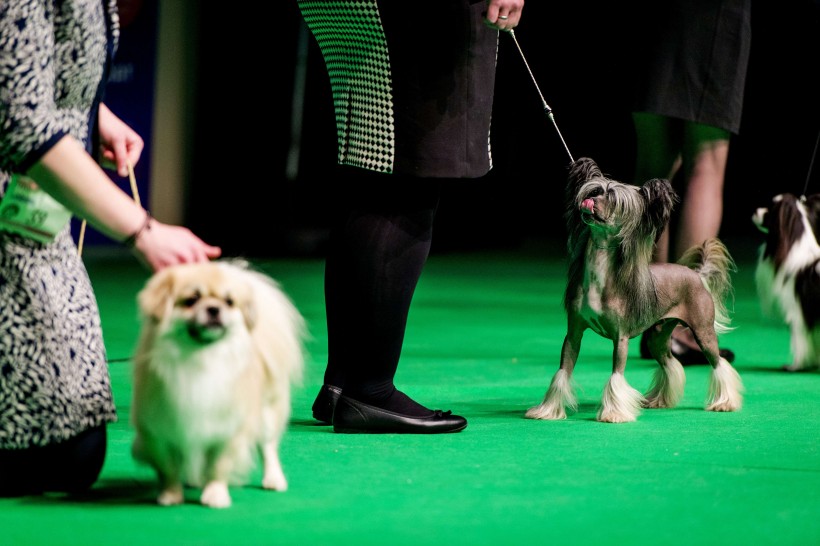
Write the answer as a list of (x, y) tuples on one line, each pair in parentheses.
[(220, 348)]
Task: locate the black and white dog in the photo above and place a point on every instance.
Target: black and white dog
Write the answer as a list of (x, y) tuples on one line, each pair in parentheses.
[(788, 272)]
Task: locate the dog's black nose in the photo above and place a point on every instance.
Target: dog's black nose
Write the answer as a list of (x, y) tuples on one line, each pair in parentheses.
[(213, 311)]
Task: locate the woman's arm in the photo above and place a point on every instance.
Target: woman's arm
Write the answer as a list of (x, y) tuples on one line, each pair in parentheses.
[(72, 177)]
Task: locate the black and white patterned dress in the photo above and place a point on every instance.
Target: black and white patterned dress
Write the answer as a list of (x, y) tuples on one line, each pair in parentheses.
[(54, 382), (412, 86)]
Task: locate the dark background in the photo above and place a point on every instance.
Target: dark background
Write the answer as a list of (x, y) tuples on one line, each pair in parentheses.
[(243, 198)]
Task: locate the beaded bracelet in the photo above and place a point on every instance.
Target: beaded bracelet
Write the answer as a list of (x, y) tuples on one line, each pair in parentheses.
[(146, 226)]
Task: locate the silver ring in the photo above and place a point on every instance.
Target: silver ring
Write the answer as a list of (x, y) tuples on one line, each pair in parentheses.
[(502, 17)]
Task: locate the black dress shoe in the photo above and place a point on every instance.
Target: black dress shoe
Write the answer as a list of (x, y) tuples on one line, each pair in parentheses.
[(325, 403), (354, 416), (645, 347), (686, 355)]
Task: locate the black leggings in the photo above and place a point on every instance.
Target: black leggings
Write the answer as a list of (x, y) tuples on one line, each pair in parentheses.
[(71, 466), (379, 243)]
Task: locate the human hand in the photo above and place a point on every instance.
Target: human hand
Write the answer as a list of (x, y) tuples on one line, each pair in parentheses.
[(119, 143), (504, 14), (159, 245)]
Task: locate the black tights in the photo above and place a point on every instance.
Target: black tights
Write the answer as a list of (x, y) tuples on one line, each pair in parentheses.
[(71, 466), (379, 243)]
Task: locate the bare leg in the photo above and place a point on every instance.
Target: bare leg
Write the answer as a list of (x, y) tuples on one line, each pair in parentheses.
[(699, 153), (658, 146), (696, 155), (705, 153), (658, 155)]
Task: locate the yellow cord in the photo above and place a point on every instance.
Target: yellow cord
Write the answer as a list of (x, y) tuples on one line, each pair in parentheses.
[(134, 193), (82, 237)]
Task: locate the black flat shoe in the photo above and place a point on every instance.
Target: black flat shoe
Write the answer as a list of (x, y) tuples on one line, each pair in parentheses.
[(325, 403), (686, 355), (354, 416), (645, 354)]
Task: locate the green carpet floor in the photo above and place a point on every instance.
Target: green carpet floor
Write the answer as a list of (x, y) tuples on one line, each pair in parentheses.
[(483, 339)]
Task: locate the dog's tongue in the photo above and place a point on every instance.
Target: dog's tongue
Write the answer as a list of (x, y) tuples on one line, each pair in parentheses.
[(588, 205)]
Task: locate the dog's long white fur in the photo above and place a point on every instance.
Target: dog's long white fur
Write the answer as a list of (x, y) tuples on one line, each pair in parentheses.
[(667, 386), (780, 288), (559, 395), (725, 387), (620, 403)]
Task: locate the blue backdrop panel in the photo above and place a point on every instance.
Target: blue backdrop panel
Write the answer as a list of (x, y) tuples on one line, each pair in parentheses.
[(130, 94)]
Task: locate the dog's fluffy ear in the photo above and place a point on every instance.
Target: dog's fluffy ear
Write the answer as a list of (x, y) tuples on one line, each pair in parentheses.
[(660, 199), (155, 299), (239, 273), (785, 226), (250, 314)]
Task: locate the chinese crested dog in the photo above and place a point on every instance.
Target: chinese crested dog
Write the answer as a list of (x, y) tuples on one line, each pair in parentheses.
[(614, 290), (788, 272)]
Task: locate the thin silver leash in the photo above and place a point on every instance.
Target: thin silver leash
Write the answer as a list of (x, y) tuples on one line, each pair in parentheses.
[(547, 109)]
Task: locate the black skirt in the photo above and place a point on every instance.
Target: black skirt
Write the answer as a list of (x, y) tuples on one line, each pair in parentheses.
[(690, 60)]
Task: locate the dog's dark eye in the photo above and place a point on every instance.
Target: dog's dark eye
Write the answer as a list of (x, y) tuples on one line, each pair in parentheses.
[(229, 301), (595, 192), (191, 300)]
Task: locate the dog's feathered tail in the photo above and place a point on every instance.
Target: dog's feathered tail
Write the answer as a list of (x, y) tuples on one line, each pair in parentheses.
[(714, 264)]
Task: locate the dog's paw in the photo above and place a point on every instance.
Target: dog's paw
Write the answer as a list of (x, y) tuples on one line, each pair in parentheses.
[(725, 388), (546, 411), (614, 416), (171, 496), (662, 399), (799, 367), (656, 402), (216, 495), (559, 396), (274, 479), (725, 405), (620, 403)]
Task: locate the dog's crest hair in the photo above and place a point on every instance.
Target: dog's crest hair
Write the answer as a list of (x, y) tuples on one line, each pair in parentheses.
[(644, 211)]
